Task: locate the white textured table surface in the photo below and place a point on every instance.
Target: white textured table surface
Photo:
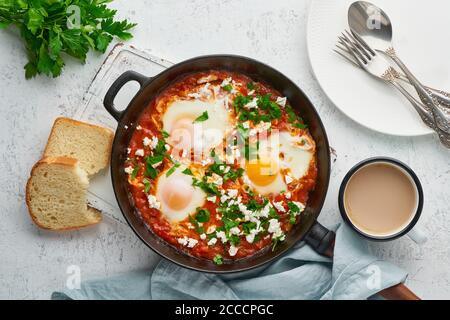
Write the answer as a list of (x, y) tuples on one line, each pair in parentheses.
[(34, 263)]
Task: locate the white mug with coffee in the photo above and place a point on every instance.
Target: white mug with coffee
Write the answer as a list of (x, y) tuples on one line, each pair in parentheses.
[(382, 199)]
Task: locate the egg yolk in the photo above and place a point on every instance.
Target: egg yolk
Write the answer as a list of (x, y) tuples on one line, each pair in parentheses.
[(262, 172), (177, 194)]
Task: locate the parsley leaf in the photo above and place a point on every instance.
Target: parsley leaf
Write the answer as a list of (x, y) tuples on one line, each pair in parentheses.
[(227, 87), (203, 215), (202, 117), (188, 172), (147, 185), (218, 259), (135, 172), (172, 170)]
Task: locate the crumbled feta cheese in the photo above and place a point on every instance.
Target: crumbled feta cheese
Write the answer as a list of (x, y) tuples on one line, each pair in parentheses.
[(279, 206), (251, 92), (128, 150), (189, 242), (252, 104), (232, 193), (153, 202), (212, 242), (251, 236), (275, 228), (227, 169), (224, 198), (192, 243), (203, 236), (154, 142), (129, 169), (166, 146), (235, 231), (139, 152), (190, 226), (211, 229), (246, 124), (225, 82), (218, 217), (288, 179), (212, 199), (138, 128), (222, 236), (183, 241), (281, 101), (146, 141), (265, 211), (232, 251), (288, 195)]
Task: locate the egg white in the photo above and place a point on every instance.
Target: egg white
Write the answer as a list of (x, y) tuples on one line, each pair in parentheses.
[(198, 197), (296, 158), (208, 133)]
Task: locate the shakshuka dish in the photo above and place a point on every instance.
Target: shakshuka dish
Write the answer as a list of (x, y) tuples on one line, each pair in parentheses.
[(220, 166)]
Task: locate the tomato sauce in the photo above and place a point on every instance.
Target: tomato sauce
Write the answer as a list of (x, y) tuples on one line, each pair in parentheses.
[(150, 125)]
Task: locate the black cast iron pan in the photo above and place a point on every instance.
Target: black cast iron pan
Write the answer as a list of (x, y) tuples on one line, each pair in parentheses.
[(308, 229)]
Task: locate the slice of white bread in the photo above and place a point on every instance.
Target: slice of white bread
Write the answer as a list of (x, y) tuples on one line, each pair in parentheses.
[(56, 195), (88, 143)]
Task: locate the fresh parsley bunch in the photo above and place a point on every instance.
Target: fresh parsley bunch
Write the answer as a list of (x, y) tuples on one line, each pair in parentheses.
[(54, 28)]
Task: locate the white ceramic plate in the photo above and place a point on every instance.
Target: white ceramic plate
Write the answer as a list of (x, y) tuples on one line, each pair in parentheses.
[(421, 38)]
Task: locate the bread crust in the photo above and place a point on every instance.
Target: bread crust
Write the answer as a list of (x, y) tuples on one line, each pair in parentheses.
[(65, 161)]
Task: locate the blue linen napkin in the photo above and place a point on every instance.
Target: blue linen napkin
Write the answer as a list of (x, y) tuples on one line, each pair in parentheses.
[(300, 274)]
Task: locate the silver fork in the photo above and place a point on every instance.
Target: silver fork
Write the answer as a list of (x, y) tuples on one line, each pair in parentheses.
[(380, 67), (442, 96), (372, 59)]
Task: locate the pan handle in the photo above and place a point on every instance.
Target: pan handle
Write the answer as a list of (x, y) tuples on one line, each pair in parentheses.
[(322, 241), (124, 78)]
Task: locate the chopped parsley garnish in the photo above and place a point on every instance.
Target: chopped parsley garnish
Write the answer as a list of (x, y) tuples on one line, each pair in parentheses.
[(248, 227), (295, 120), (203, 215), (227, 87), (159, 153), (225, 171), (147, 185), (251, 86), (187, 171), (218, 259), (293, 207), (172, 170), (165, 134), (135, 172), (209, 188), (294, 211), (198, 229), (203, 117)]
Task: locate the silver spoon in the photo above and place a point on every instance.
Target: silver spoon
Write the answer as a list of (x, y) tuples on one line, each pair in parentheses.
[(374, 26)]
